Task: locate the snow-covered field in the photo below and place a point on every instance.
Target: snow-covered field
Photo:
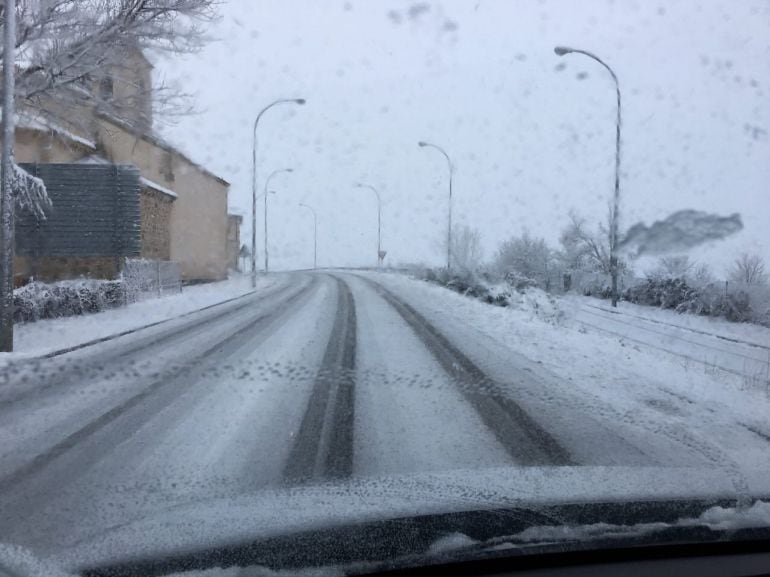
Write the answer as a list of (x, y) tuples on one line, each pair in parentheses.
[(651, 387), (45, 336), (717, 345)]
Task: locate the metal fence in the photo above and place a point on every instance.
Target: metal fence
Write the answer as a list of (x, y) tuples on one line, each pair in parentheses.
[(94, 212), (150, 278)]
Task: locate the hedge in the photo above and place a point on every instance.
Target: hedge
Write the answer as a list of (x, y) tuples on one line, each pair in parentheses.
[(38, 300)]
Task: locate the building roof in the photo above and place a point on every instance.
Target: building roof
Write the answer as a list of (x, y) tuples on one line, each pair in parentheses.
[(31, 121), (160, 142), (146, 182)]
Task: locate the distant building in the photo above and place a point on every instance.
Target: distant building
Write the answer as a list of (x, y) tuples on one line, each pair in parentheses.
[(183, 205)]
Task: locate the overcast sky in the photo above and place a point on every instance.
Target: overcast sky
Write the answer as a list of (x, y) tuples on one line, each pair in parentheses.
[(531, 134)]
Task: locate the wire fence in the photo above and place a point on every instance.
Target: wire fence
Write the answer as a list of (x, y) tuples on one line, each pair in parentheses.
[(742, 358), (150, 278)]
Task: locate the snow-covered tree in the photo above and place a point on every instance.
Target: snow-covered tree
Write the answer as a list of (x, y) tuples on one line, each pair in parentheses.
[(576, 252), (702, 275), (527, 257), (679, 266), (583, 249), (749, 269), (29, 193), (466, 248), (63, 44)]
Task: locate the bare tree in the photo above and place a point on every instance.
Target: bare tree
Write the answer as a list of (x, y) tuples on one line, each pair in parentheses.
[(702, 275), (584, 249), (466, 248), (679, 266), (749, 269), (577, 246), (63, 46)]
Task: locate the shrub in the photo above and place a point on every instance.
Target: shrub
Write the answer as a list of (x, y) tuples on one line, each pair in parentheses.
[(667, 293), (520, 282), (467, 284), (734, 307), (710, 300), (37, 300)]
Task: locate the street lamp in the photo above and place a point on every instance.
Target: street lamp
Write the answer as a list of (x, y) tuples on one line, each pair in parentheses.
[(423, 144), (299, 101), (267, 183), (379, 218), (263, 194), (561, 51), (315, 234)]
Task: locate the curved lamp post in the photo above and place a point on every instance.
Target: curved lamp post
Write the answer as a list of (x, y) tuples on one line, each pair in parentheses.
[(423, 144), (315, 234), (265, 193), (561, 51), (379, 217), (299, 101)]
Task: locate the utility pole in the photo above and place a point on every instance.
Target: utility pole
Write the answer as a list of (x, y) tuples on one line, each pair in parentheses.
[(6, 175)]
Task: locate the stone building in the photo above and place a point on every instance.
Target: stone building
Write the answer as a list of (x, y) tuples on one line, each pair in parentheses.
[(183, 205)]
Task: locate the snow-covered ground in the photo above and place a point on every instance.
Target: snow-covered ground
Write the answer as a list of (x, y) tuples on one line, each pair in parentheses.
[(202, 415), (626, 383), (45, 336), (717, 345)]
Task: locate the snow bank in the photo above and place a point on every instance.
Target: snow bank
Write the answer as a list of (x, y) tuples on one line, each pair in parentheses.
[(521, 294), (712, 325), (538, 303), (45, 336)]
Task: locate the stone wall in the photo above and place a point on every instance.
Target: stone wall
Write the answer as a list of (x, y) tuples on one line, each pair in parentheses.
[(156, 222)]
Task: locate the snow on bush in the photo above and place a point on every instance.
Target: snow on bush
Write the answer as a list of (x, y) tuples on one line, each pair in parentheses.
[(30, 192), (749, 303), (38, 300), (516, 292)]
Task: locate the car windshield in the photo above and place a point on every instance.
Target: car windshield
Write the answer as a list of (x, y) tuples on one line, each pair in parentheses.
[(327, 283)]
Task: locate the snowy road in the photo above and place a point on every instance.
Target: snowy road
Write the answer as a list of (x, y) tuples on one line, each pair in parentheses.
[(315, 377)]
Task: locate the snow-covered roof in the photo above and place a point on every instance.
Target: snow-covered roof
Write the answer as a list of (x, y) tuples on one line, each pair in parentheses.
[(156, 139), (38, 122), (158, 187), (144, 181), (93, 159)]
